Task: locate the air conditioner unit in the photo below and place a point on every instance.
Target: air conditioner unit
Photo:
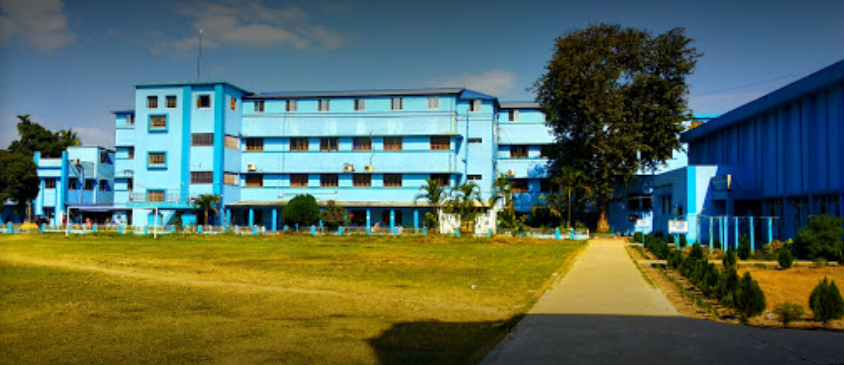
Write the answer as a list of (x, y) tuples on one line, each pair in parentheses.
[(251, 167), (368, 168), (348, 168), (76, 162), (511, 173)]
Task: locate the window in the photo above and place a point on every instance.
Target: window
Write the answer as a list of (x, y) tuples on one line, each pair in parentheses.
[(328, 180), (513, 116), (474, 178), (50, 183), (362, 180), (158, 122), (130, 184), (230, 178), (476, 140), (520, 185), (298, 144), (130, 119), (433, 102), (104, 157), (392, 180), (232, 142), (71, 183), (259, 106), (254, 144), (475, 106), (362, 144), (203, 101), (328, 144), (155, 196), (440, 143), (233, 103), (254, 180), (392, 143), (324, 105), (518, 152), (152, 102), (396, 103), (298, 180), (291, 106), (130, 151), (202, 139), (201, 177), (640, 202), (171, 101), (441, 179), (157, 159), (103, 185), (360, 104)]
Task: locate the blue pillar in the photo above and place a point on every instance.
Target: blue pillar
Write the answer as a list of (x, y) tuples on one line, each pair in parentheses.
[(95, 228), (275, 220), (736, 230), (120, 229), (199, 229), (254, 230), (368, 220), (489, 233), (711, 236), (771, 229), (228, 217), (415, 219), (172, 229), (392, 219), (313, 230), (457, 232), (251, 217), (9, 228), (557, 233), (320, 223), (340, 231), (424, 230), (752, 234), (146, 229)]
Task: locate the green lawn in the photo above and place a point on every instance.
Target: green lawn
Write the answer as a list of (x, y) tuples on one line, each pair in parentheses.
[(256, 300)]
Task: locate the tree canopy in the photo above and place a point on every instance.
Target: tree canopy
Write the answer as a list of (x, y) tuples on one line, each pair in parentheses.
[(19, 180), (615, 100), (34, 137)]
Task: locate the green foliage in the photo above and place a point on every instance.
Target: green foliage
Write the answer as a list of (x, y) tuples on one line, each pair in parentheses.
[(465, 201), (819, 263), (826, 303), (638, 236), (435, 195), (657, 246), (34, 137), (789, 312), (716, 243), (749, 298), (302, 210), (729, 258), (744, 247), (728, 285), (206, 202), (683, 241), (333, 216), (19, 180), (615, 99), (696, 252), (785, 258), (821, 237)]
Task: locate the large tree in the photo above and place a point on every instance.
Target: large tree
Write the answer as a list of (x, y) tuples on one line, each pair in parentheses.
[(19, 180), (615, 99), (34, 137)]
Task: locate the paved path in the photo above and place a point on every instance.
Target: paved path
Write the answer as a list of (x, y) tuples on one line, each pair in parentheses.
[(604, 312)]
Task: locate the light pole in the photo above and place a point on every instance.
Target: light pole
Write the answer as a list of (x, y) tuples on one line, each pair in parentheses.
[(199, 57)]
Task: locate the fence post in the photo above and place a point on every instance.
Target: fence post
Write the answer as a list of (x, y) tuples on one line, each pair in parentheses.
[(736, 230), (457, 232), (425, 231), (172, 229), (146, 229), (95, 228), (120, 229), (42, 228), (770, 229), (198, 229), (313, 230), (557, 233), (254, 230), (752, 236), (489, 233), (340, 231)]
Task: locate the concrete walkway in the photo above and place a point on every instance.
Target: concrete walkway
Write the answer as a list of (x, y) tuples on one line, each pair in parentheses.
[(604, 312)]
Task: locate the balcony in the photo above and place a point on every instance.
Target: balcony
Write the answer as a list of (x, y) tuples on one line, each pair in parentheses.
[(170, 199)]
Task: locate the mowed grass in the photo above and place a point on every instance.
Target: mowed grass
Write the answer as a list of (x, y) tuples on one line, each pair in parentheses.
[(265, 300)]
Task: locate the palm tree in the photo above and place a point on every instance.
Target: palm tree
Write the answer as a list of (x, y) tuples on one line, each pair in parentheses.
[(502, 191), (465, 202), (206, 202), (554, 203), (435, 194)]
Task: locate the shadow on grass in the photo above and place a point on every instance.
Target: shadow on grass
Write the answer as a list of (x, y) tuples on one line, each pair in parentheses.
[(604, 339)]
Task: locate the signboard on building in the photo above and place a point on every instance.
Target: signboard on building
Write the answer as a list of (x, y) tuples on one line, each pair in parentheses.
[(721, 182), (678, 227), (643, 223)]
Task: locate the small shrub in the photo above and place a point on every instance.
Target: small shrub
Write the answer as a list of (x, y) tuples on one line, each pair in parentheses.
[(819, 263), (821, 237), (788, 312), (729, 258), (744, 247), (333, 216), (776, 246), (696, 252), (826, 303), (785, 258), (683, 242), (728, 286), (749, 299), (637, 237)]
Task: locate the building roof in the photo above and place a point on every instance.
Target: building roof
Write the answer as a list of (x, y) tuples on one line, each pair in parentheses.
[(354, 93), (194, 83), (520, 105), (826, 77), (127, 111)]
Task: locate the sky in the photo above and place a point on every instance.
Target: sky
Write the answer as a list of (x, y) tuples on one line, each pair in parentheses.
[(69, 64)]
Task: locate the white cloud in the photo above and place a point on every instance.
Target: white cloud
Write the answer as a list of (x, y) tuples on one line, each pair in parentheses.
[(41, 23), (248, 23), (494, 82), (95, 136)]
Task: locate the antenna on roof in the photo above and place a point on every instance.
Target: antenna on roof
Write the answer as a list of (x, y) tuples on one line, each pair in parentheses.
[(199, 58)]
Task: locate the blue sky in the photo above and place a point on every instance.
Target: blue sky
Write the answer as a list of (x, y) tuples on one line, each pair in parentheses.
[(70, 63)]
